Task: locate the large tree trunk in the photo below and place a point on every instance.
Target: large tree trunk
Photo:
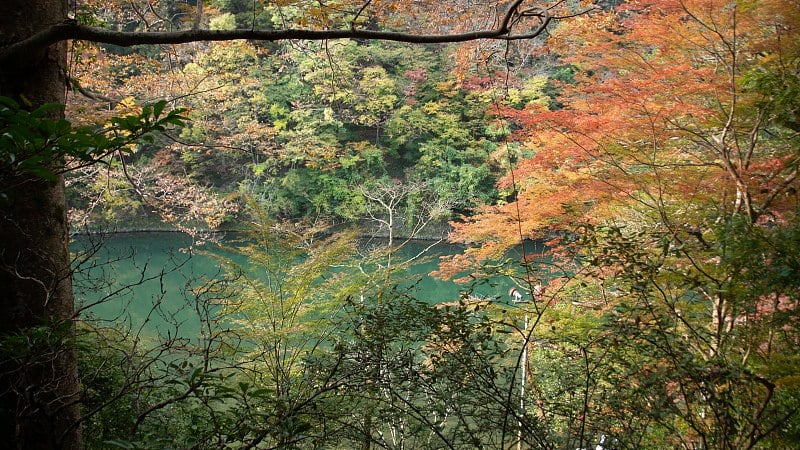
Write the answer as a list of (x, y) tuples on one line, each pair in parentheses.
[(39, 395)]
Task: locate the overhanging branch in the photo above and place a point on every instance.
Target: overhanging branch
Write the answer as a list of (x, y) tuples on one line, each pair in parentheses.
[(71, 30)]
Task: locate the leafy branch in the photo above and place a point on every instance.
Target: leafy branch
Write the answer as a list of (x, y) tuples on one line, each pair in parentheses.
[(32, 142)]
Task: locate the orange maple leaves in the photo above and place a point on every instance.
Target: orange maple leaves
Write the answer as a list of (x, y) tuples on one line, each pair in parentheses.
[(657, 122)]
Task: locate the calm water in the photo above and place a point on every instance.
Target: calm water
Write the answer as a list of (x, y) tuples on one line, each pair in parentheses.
[(149, 281)]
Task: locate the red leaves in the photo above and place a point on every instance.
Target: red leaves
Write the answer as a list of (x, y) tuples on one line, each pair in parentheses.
[(656, 118)]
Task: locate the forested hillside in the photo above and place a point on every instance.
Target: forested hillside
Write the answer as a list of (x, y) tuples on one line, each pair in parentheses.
[(303, 127), (630, 167)]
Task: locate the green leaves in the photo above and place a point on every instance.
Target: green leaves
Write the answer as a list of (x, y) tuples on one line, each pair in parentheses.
[(780, 95), (37, 143)]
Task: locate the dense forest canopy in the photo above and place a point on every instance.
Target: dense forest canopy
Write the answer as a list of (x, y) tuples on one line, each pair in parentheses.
[(652, 144), (299, 124)]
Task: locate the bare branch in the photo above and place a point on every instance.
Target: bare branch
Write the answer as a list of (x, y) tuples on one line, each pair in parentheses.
[(70, 29)]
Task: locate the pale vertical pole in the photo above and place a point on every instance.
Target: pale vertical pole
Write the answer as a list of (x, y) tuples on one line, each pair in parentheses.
[(524, 369)]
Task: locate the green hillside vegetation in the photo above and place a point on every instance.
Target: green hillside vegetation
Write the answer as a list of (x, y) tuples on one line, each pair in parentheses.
[(300, 127)]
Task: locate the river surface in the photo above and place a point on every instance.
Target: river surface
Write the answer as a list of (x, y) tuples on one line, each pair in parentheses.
[(149, 281)]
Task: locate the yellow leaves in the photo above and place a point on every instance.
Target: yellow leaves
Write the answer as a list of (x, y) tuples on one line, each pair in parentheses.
[(376, 96), (432, 108), (227, 58), (225, 21), (361, 147), (127, 104), (448, 88), (194, 69), (533, 92)]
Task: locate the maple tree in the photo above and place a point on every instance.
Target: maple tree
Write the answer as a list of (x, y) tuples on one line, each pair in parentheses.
[(672, 159), (655, 116)]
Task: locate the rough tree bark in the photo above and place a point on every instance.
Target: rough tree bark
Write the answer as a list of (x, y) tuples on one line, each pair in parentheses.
[(38, 377)]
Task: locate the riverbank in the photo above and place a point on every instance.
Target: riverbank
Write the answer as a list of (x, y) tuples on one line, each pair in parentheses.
[(432, 232)]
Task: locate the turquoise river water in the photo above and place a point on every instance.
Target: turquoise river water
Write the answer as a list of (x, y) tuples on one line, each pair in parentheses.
[(149, 281)]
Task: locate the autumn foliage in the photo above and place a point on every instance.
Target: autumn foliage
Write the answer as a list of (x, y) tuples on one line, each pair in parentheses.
[(667, 118), (665, 181), (658, 164)]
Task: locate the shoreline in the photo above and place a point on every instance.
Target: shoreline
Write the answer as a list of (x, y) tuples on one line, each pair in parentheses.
[(444, 230)]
